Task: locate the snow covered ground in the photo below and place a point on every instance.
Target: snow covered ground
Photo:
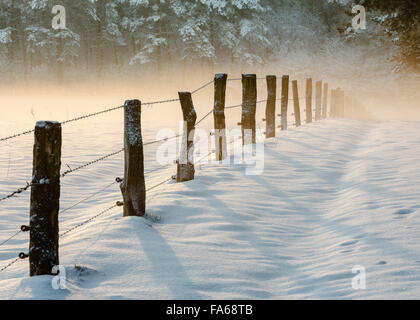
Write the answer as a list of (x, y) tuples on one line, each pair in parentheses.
[(334, 194)]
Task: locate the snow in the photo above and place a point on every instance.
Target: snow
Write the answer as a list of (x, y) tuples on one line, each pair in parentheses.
[(5, 35), (43, 124), (334, 194)]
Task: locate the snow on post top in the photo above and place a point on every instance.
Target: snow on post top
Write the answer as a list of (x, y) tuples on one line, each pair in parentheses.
[(43, 124)]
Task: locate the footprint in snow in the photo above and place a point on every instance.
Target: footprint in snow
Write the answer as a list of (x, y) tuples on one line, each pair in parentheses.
[(404, 211), (349, 243)]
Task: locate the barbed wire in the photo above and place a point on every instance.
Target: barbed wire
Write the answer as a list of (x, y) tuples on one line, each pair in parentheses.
[(203, 118), (89, 115), (238, 79), (229, 107), (10, 264), (161, 140), (234, 106), (117, 204), (117, 180), (89, 197), (206, 156), (18, 191), (202, 87), (17, 135), (65, 173), (13, 236), (159, 102), (71, 170), (159, 184), (157, 169), (240, 105)]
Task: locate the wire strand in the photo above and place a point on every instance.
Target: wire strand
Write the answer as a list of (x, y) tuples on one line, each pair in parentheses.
[(88, 198), (159, 184), (90, 219), (65, 173), (18, 191), (10, 264), (202, 87), (14, 235)]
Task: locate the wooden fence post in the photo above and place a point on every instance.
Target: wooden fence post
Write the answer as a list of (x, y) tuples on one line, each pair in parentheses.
[(352, 106), (325, 102), (219, 116), (249, 106), (284, 101), (308, 100), (341, 99), (133, 186), (45, 199), (296, 103), (333, 111), (270, 111), (318, 100), (185, 168), (337, 103), (347, 107)]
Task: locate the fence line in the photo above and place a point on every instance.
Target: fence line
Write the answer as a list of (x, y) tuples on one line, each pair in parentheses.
[(202, 87), (117, 204), (10, 264), (71, 170), (65, 173), (118, 180), (18, 191), (17, 135), (88, 198), (89, 115)]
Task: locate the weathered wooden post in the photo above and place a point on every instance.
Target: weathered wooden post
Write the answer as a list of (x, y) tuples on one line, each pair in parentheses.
[(219, 116), (296, 103), (325, 102), (318, 100), (333, 111), (284, 101), (308, 100), (341, 103), (337, 102), (270, 111), (249, 106), (347, 107), (45, 199), (133, 186), (185, 168), (352, 113)]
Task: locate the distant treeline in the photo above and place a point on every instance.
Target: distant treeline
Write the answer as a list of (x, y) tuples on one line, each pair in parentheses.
[(106, 36)]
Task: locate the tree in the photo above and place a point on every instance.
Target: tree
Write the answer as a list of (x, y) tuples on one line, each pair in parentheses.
[(402, 22)]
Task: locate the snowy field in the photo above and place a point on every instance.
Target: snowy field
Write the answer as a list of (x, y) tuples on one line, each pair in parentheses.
[(334, 194)]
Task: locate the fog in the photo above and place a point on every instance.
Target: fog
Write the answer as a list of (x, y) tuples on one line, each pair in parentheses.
[(22, 104)]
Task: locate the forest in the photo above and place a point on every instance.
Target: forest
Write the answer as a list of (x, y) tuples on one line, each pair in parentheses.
[(105, 38)]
